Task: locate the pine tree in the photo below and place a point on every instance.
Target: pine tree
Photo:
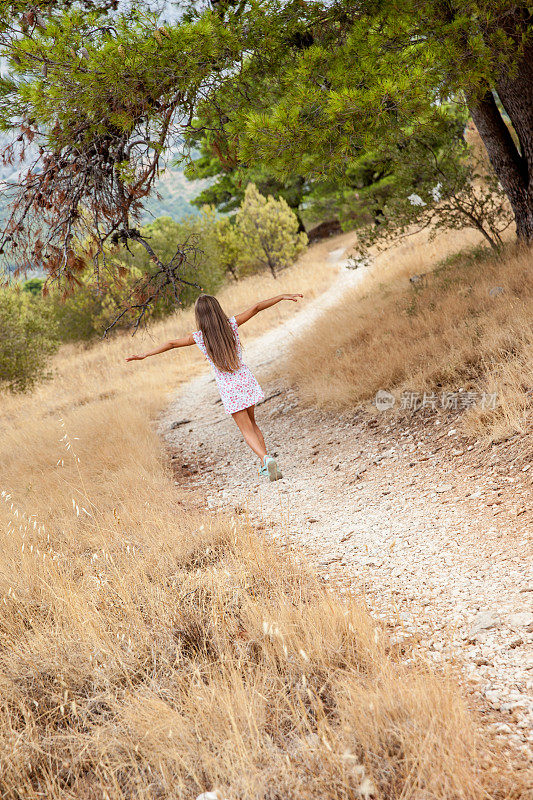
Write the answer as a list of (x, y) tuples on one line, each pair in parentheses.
[(269, 231), (364, 73), (226, 191)]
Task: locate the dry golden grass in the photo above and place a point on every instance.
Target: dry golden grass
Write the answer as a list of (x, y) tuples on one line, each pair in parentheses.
[(418, 253), (149, 650), (445, 333)]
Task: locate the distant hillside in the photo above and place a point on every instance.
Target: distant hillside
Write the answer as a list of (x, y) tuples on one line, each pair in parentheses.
[(174, 190), (175, 193)]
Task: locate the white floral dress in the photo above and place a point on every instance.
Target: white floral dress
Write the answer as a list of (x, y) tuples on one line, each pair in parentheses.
[(238, 389)]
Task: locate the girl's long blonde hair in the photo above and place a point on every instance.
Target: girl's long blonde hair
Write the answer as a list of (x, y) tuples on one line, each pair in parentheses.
[(219, 338)]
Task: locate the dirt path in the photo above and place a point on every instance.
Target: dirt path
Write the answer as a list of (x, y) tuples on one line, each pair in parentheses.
[(436, 532)]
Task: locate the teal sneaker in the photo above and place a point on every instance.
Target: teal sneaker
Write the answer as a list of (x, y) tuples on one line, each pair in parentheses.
[(272, 469)]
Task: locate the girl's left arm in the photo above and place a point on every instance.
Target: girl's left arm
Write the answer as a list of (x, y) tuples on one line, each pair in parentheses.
[(253, 310), (183, 342)]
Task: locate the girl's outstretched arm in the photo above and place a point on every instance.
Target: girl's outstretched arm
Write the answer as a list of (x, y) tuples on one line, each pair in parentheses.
[(253, 310), (184, 342)]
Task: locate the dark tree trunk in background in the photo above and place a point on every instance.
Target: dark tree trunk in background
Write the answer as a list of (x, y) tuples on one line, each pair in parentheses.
[(301, 226), (513, 166)]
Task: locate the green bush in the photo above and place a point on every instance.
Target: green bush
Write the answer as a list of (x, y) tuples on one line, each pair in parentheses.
[(165, 235), (268, 231), (34, 286), (77, 316), (28, 337), (87, 312)]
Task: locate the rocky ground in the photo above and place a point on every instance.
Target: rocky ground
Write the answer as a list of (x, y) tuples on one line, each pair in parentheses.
[(433, 529)]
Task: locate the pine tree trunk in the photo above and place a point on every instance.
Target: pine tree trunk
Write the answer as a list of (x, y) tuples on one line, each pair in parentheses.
[(513, 167), (516, 95), (301, 226)]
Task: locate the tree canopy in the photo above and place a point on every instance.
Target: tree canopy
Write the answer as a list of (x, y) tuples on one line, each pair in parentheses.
[(300, 91), (227, 191)]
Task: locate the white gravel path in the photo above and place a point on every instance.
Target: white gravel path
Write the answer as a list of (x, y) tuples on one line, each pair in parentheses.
[(434, 530)]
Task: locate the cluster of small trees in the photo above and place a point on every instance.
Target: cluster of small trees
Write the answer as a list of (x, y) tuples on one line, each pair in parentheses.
[(262, 235)]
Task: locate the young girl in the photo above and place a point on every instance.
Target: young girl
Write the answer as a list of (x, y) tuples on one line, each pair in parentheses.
[(218, 339)]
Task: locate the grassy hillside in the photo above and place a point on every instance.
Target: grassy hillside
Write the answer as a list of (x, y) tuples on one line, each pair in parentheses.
[(151, 650), (466, 324), (175, 195)]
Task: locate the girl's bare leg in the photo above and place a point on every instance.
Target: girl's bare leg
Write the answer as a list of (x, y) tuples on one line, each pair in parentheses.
[(251, 414), (248, 430)]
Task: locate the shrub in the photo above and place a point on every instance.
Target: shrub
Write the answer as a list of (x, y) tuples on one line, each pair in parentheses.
[(34, 286), (268, 229), (28, 337), (87, 312), (165, 234), (230, 246)]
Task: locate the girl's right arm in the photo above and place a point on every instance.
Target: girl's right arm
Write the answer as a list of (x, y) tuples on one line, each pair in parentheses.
[(253, 310), (184, 342)]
